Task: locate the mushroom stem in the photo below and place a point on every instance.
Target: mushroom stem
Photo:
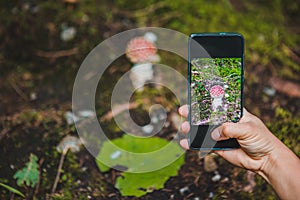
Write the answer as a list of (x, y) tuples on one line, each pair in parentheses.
[(62, 158)]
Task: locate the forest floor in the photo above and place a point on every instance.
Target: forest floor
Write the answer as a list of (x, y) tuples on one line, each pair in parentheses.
[(36, 84)]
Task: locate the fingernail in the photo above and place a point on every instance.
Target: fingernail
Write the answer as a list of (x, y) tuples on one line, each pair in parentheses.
[(185, 127), (180, 110), (215, 134)]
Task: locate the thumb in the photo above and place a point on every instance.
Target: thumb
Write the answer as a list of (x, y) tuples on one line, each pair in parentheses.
[(230, 130)]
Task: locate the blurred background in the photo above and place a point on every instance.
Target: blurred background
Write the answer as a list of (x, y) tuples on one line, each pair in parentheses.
[(43, 43)]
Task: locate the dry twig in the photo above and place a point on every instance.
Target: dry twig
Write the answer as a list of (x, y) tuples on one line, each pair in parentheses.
[(57, 54)]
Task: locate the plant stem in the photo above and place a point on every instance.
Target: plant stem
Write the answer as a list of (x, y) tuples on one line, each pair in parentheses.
[(62, 158)]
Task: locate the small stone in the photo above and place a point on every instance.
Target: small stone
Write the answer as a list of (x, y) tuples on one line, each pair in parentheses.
[(154, 120), (84, 169), (71, 118), (148, 129), (211, 195), (33, 96), (216, 178), (184, 190), (89, 188), (269, 91), (196, 198), (68, 34)]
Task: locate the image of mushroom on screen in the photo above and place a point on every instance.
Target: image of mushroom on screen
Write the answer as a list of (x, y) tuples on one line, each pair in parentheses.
[(215, 90)]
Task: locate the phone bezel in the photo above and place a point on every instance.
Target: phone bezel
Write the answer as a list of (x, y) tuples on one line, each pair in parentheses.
[(225, 144)]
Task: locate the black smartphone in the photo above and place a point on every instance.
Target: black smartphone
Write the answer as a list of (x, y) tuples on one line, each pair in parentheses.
[(216, 77)]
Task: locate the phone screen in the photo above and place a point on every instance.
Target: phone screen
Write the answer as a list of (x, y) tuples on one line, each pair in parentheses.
[(216, 86)]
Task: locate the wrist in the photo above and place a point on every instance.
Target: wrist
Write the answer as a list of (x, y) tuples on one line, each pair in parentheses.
[(280, 170), (272, 161)]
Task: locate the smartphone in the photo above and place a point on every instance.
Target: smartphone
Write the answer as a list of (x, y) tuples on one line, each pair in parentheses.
[(216, 79)]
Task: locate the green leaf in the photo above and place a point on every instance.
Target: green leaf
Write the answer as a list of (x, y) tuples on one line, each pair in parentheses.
[(123, 152), (13, 190), (137, 154), (29, 175), (133, 184)]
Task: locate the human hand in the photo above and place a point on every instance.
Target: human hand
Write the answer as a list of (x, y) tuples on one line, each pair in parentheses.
[(256, 141), (260, 152)]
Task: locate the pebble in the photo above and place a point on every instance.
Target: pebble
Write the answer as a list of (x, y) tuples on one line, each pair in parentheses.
[(184, 190), (68, 34), (71, 118), (84, 169), (269, 91), (211, 195), (33, 96), (154, 120), (216, 178), (148, 129)]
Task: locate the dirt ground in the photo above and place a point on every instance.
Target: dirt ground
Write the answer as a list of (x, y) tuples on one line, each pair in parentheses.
[(36, 82)]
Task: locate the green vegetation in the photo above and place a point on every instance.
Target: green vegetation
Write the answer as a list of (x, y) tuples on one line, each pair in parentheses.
[(286, 127), (13, 190), (133, 182), (206, 73), (29, 175)]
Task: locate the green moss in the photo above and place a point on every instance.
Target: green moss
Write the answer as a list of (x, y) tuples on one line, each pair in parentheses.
[(286, 127)]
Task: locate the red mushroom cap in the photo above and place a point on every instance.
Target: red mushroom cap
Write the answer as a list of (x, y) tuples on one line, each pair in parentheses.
[(140, 50), (216, 91)]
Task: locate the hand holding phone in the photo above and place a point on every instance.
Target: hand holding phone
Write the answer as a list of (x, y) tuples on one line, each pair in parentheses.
[(216, 65)]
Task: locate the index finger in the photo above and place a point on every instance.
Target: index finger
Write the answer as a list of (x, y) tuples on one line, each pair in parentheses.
[(184, 111)]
